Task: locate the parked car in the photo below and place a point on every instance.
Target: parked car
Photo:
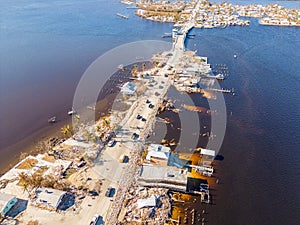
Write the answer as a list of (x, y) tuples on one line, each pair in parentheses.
[(111, 143), (93, 193), (94, 220), (144, 119), (123, 158), (139, 117), (135, 136), (110, 192), (151, 106)]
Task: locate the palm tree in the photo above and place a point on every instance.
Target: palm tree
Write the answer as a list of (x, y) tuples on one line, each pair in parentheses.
[(132, 72), (66, 130), (105, 122), (24, 181), (98, 128), (143, 66)]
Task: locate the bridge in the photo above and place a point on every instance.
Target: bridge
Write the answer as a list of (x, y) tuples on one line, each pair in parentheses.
[(179, 39)]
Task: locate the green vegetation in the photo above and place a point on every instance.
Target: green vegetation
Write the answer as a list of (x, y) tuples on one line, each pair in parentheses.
[(67, 131)]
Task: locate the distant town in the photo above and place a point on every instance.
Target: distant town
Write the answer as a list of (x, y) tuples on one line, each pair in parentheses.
[(211, 15)]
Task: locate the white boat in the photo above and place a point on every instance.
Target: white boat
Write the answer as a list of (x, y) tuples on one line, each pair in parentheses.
[(122, 16), (126, 2), (235, 56), (166, 35), (72, 112), (121, 67), (220, 77), (52, 119)]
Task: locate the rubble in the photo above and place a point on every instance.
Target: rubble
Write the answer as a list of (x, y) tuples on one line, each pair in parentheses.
[(140, 211)]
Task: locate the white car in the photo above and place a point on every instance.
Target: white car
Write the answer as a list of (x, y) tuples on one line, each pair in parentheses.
[(111, 143), (94, 220)]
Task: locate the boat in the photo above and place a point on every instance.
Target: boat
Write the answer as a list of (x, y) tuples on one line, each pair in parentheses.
[(235, 56), (131, 7), (220, 77), (191, 36), (71, 112), (126, 2), (52, 119), (121, 67), (122, 16), (167, 35)]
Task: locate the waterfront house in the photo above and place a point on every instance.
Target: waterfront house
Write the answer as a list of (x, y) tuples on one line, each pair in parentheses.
[(7, 201), (163, 176), (49, 198), (128, 88), (158, 152), (208, 154)]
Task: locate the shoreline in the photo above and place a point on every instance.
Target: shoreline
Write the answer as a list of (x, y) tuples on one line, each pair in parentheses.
[(30, 143)]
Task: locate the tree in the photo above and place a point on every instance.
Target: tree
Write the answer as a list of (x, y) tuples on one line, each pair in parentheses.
[(133, 72), (105, 122), (24, 180), (66, 130), (98, 128), (143, 66)]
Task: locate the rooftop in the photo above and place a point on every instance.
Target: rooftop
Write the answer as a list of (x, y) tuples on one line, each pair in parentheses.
[(4, 199), (208, 152), (49, 197), (158, 151), (160, 173)]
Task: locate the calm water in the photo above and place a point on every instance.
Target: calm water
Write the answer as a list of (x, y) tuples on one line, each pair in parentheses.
[(46, 46)]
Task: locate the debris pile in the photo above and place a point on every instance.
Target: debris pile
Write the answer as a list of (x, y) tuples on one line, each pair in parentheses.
[(147, 206)]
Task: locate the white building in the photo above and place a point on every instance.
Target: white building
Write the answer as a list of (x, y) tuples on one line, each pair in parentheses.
[(207, 152), (128, 88), (156, 151), (49, 198)]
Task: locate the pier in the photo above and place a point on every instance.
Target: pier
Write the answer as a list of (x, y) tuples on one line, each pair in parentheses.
[(221, 90)]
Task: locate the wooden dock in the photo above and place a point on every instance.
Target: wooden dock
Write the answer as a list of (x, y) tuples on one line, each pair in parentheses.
[(220, 90)]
